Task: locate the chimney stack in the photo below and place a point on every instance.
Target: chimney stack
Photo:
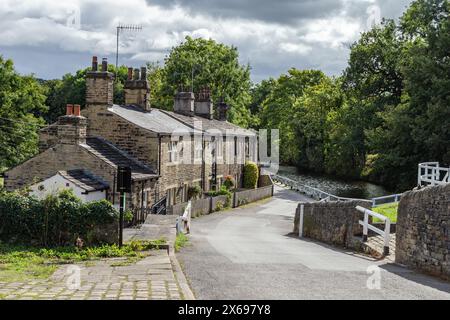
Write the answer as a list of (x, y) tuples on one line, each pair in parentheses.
[(99, 84), (203, 105), (72, 127), (184, 103), (137, 89)]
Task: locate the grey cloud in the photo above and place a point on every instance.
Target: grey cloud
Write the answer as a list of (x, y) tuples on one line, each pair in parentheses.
[(281, 11)]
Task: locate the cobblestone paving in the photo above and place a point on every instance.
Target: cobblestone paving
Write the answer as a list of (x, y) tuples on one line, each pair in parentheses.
[(151, 278)]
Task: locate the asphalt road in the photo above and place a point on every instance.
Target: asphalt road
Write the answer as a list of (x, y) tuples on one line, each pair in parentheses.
[(249, 253)]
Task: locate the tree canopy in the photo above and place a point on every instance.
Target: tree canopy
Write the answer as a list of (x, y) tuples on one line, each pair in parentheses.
[(22, 101)]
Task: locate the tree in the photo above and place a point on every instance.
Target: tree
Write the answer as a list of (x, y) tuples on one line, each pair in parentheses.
[(279, 109), (417, 129), (312, 125), (21, 102), (196, 63)]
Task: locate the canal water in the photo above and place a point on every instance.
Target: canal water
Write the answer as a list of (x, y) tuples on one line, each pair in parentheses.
[(338, 187)]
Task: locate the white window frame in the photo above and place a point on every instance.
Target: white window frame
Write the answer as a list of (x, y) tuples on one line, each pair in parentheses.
[(219, 147), (173, 151), (198, 149)]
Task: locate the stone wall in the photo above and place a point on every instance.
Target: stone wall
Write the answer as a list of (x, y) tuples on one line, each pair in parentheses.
[(248, 196), (423, 230), (138, 142), (331, 222), (200, 206)]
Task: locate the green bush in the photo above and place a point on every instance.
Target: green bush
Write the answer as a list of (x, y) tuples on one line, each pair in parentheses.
[(223, 191), (251, 173), (56, 220), (228, 182), (194, 192)]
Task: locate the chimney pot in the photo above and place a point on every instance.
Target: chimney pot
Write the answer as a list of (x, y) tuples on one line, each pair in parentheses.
[(69, 109), (143, 73), (136, 74), (104, 64), (77, 110), (94, 63), (130, 74)]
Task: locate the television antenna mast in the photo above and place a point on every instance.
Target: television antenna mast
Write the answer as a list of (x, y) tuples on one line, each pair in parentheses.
[(120, 28)]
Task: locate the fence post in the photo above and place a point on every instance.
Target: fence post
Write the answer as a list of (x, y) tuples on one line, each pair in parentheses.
[(387, 234), (300, 223), (365, 226)]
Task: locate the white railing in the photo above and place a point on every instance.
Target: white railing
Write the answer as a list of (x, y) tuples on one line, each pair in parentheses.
[(432, 173), (311, 192), (184, 221), (366, 227), (386, 199)]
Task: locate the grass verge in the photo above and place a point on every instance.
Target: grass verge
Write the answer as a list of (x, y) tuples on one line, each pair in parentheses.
[(388, 210), (180, 241), (21, 263)]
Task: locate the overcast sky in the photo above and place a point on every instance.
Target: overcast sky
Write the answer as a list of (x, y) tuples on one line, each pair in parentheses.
[(52, 37)]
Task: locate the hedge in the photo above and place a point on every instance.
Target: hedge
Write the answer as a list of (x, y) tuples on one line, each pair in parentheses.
[(56, 220), (250, 175)]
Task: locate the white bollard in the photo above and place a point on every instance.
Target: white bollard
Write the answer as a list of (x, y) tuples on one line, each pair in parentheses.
[(300, 224)]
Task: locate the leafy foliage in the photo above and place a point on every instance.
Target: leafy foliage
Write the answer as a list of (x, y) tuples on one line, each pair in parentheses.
[(251, 173), (212, 64), (56, 220), (21, 104), (228, 182), (194, 192)]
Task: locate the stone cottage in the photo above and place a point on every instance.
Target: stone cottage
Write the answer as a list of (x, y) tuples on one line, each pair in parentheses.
[(168, 151)]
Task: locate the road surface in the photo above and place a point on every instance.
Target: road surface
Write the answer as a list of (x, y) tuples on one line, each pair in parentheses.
[(249, 253)]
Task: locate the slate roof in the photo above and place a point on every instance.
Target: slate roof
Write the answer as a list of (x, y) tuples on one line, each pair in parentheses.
[(155, 120), (116, 157), (208, 124), (84, 180), (166, 122)]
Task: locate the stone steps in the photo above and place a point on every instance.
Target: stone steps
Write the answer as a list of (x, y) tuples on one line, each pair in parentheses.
[(375, 247)]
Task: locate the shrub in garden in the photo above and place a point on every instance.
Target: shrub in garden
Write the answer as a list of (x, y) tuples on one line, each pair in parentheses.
[(223, 191), (56, 220), (194, 192), (228, 182), (251, 173)]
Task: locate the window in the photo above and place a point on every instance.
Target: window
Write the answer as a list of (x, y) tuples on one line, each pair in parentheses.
[(198, 150), (247, 148), (173, 151), (219, 147)]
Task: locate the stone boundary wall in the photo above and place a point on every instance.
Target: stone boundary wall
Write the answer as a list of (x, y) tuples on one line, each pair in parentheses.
[(248, 196), (200, 207), (210, 204), (333, 222), (423, 230)]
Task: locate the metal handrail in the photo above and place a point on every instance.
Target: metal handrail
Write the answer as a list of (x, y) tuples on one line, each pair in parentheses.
[(311, 191), (431, 173), (366, 226), (159, 206), (389, 199)]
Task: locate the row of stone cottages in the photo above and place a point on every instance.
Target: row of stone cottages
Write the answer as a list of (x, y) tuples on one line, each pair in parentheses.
[(83, 149)]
